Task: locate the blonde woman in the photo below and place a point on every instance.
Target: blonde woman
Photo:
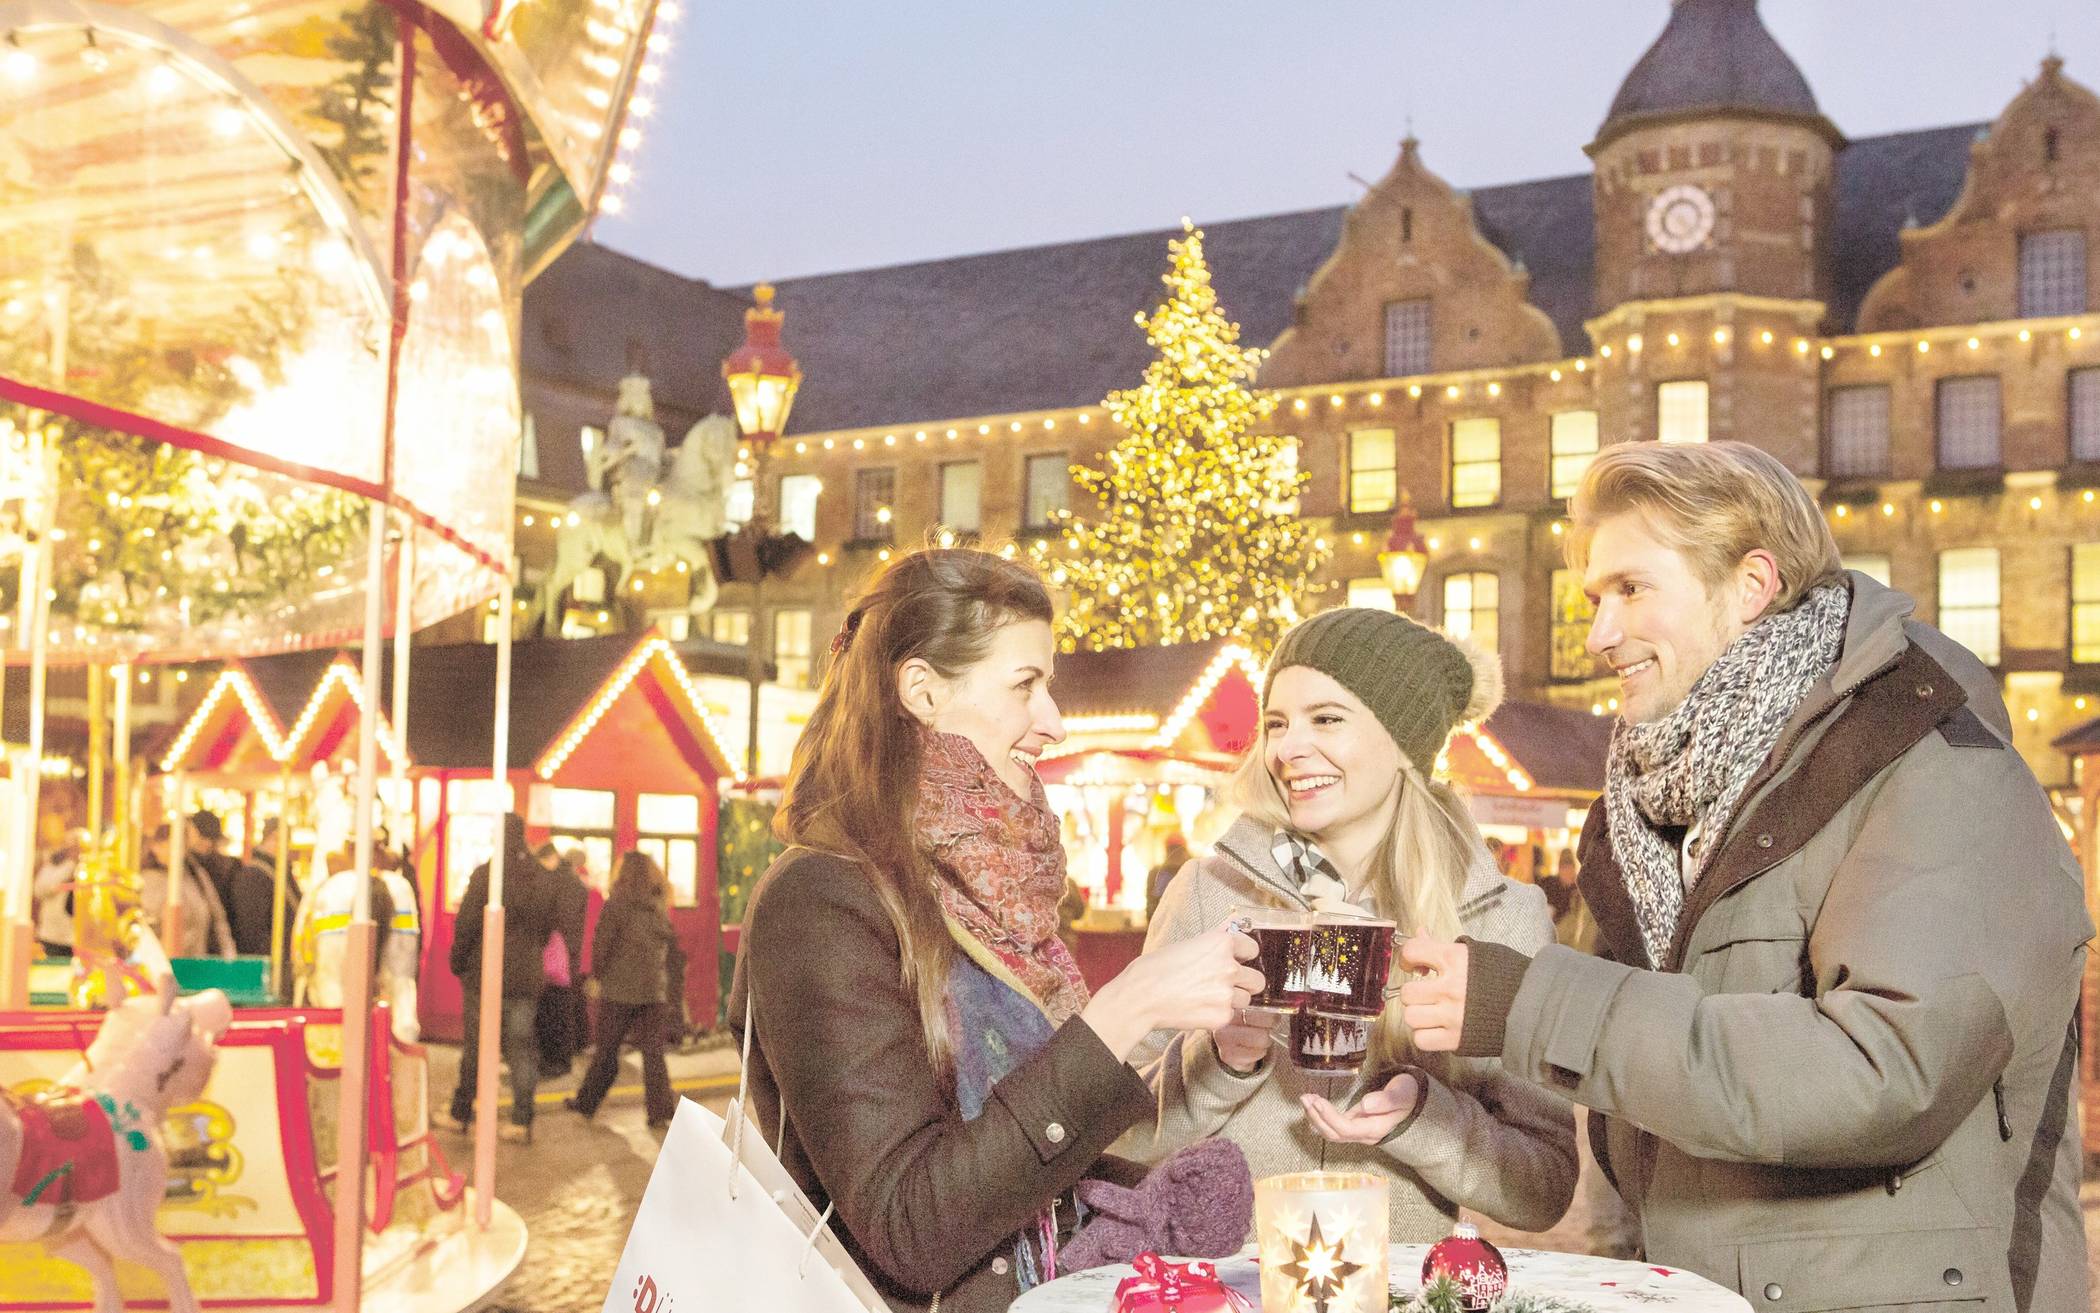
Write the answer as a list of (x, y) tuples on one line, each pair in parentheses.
[(1339, 809)]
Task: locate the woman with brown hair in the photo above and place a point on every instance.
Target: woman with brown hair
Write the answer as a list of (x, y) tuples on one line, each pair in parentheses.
[(628, 953), (923, 1048)]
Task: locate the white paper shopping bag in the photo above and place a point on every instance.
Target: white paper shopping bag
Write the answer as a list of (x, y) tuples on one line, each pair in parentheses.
[(723, 1226)]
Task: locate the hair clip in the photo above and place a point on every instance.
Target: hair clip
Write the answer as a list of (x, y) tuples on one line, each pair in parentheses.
[(844, 638)]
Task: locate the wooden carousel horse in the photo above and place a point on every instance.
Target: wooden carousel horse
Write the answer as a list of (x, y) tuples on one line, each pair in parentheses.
[(82, 1170)]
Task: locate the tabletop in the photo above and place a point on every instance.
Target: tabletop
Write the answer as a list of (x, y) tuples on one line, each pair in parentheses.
[(1577, 1281)]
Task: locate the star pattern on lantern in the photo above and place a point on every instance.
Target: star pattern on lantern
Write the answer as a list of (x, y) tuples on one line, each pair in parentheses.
[(1319, 1268)]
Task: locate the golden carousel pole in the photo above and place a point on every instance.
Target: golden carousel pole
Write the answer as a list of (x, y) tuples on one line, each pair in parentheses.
[(279, 895), (33, 622)]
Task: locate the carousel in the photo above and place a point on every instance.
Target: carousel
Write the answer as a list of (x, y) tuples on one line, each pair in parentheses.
[(260, 277)]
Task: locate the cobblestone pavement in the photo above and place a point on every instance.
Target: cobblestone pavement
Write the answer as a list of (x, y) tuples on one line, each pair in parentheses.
[(578, 1184)]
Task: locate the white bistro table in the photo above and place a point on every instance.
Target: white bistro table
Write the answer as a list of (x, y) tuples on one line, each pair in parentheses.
[(1601, 1285)]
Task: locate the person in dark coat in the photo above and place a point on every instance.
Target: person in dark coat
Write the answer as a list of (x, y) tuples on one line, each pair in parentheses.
[(252, 910), (631, 952), (562, 1024), (529, 908)]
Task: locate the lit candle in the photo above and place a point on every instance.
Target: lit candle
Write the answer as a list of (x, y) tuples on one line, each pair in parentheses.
[(1323, 1242)]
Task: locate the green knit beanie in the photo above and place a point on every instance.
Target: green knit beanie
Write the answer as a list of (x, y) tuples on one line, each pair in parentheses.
[(1419, 682)]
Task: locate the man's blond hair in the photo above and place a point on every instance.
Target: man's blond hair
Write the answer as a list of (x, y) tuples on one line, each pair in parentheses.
[(1714, 503)]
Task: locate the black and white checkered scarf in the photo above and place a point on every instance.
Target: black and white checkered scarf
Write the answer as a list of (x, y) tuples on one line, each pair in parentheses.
[(1689, 769)]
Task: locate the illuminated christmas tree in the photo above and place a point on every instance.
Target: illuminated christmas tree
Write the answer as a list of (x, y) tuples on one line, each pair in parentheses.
[(1197, 534)]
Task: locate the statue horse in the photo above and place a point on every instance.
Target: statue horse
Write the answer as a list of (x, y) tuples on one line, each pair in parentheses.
[(83, 1160)]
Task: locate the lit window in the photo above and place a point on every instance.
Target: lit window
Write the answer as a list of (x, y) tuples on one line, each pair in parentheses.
[(1574, 447), (1968, 423), (1372, 479), (1857, 424), (1476, 462), (2052, 273), (733, 627), (2085, 603), (1471, 608), (2085, 414), (791, 648), (1680, 411), (1406, 338), (1572, 614), (1048, 489), (1874, 565), (874, 493), (667, 826), (1374, 593), (962, 488), (579, 809), (798, 505), (1969, 605)]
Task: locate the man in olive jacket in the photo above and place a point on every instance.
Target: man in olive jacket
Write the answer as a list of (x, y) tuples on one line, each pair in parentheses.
[(1833, 1039)]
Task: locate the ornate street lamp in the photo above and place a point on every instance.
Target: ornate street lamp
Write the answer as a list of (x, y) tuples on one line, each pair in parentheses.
[(763, 379), (762, 376), (1405, 558)]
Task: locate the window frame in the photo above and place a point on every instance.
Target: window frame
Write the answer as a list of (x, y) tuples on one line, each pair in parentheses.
[(2092, 602), (1474, 610), (867, 527), (805, 659), (1942, 389), (1555, 487), (1422, 343), (1560, 624), (2040, 282), (2083, 380), (1834, 399), (1351, 471), (976, 524), (1029, 463), (1453, 464), (1664, 387), (787, 520), (1942, 608)]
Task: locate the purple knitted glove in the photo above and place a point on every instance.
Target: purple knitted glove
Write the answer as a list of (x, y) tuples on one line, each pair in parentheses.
[(1198, 1203)]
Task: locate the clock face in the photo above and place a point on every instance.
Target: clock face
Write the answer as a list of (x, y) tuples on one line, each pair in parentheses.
[(1680, 218)]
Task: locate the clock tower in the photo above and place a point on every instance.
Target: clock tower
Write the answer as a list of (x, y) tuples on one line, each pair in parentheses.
[(1714, 167), (1713, 191)]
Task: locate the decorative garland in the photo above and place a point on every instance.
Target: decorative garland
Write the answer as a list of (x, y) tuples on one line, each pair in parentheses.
[(1443, 1296)]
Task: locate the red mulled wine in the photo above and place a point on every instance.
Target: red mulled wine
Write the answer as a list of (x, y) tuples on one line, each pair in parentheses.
[(1285, 941), (1347, 964), (1329, 1041)]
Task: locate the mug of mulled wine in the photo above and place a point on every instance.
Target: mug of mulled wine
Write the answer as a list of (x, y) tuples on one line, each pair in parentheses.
[(1329, 1042), (1284, 937), (1347, 961)]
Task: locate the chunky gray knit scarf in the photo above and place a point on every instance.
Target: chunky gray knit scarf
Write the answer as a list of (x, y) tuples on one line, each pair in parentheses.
[(1690, 767)]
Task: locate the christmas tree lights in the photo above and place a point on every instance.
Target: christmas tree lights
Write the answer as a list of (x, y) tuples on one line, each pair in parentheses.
[(1196, 535)]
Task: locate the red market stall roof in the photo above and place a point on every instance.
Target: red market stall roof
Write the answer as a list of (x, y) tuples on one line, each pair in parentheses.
[(2079, 739), (563, 692)]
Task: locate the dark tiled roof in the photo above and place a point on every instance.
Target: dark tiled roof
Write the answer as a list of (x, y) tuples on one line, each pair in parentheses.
[(594, 316), (287, 681), (1120, 680), (1050, 327), (2079, 739), (1558, 747), (1712, 55)]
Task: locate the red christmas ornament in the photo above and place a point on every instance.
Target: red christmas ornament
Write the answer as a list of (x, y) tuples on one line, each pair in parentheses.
[(1472, 1264)]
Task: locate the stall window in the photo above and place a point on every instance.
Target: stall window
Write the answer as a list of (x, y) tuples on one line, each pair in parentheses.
[(582, 819), (1680, 411), (1572, 614), (1472, 608), (1969, 600), (727, 626), (1574, 447), (473, 820), (667, 828), (1476, 462), (1373, 484)]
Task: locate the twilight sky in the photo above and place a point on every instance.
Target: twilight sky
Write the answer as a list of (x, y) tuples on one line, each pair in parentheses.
[(813, 136)]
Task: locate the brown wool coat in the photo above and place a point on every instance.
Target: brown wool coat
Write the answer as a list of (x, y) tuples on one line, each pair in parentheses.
[(928, 1204), (1849, 1086)]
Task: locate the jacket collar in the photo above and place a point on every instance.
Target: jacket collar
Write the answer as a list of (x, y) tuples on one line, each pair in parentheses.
[(1247, 846)]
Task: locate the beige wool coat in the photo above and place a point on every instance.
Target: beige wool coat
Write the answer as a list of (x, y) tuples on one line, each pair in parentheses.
[(1850, 1085), (1480, 1140)]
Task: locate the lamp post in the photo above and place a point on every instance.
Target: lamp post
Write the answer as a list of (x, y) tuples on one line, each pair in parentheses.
[(1405, 558), (763, 379)]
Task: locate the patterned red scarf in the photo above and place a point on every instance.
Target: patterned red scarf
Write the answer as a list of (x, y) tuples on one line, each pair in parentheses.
[(1003, 863)]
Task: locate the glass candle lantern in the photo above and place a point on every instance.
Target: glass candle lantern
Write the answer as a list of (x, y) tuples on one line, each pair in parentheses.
[(1322, 1237)]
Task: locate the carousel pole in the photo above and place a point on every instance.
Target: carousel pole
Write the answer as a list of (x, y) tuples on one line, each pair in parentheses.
[(34, 624), (283, 874), (404, 627), (178, 865), (120, 767), (359, 943), (491, 999), (98, 751)]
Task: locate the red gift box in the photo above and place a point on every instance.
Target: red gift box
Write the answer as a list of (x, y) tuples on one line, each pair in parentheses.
[(1163, 1287)]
